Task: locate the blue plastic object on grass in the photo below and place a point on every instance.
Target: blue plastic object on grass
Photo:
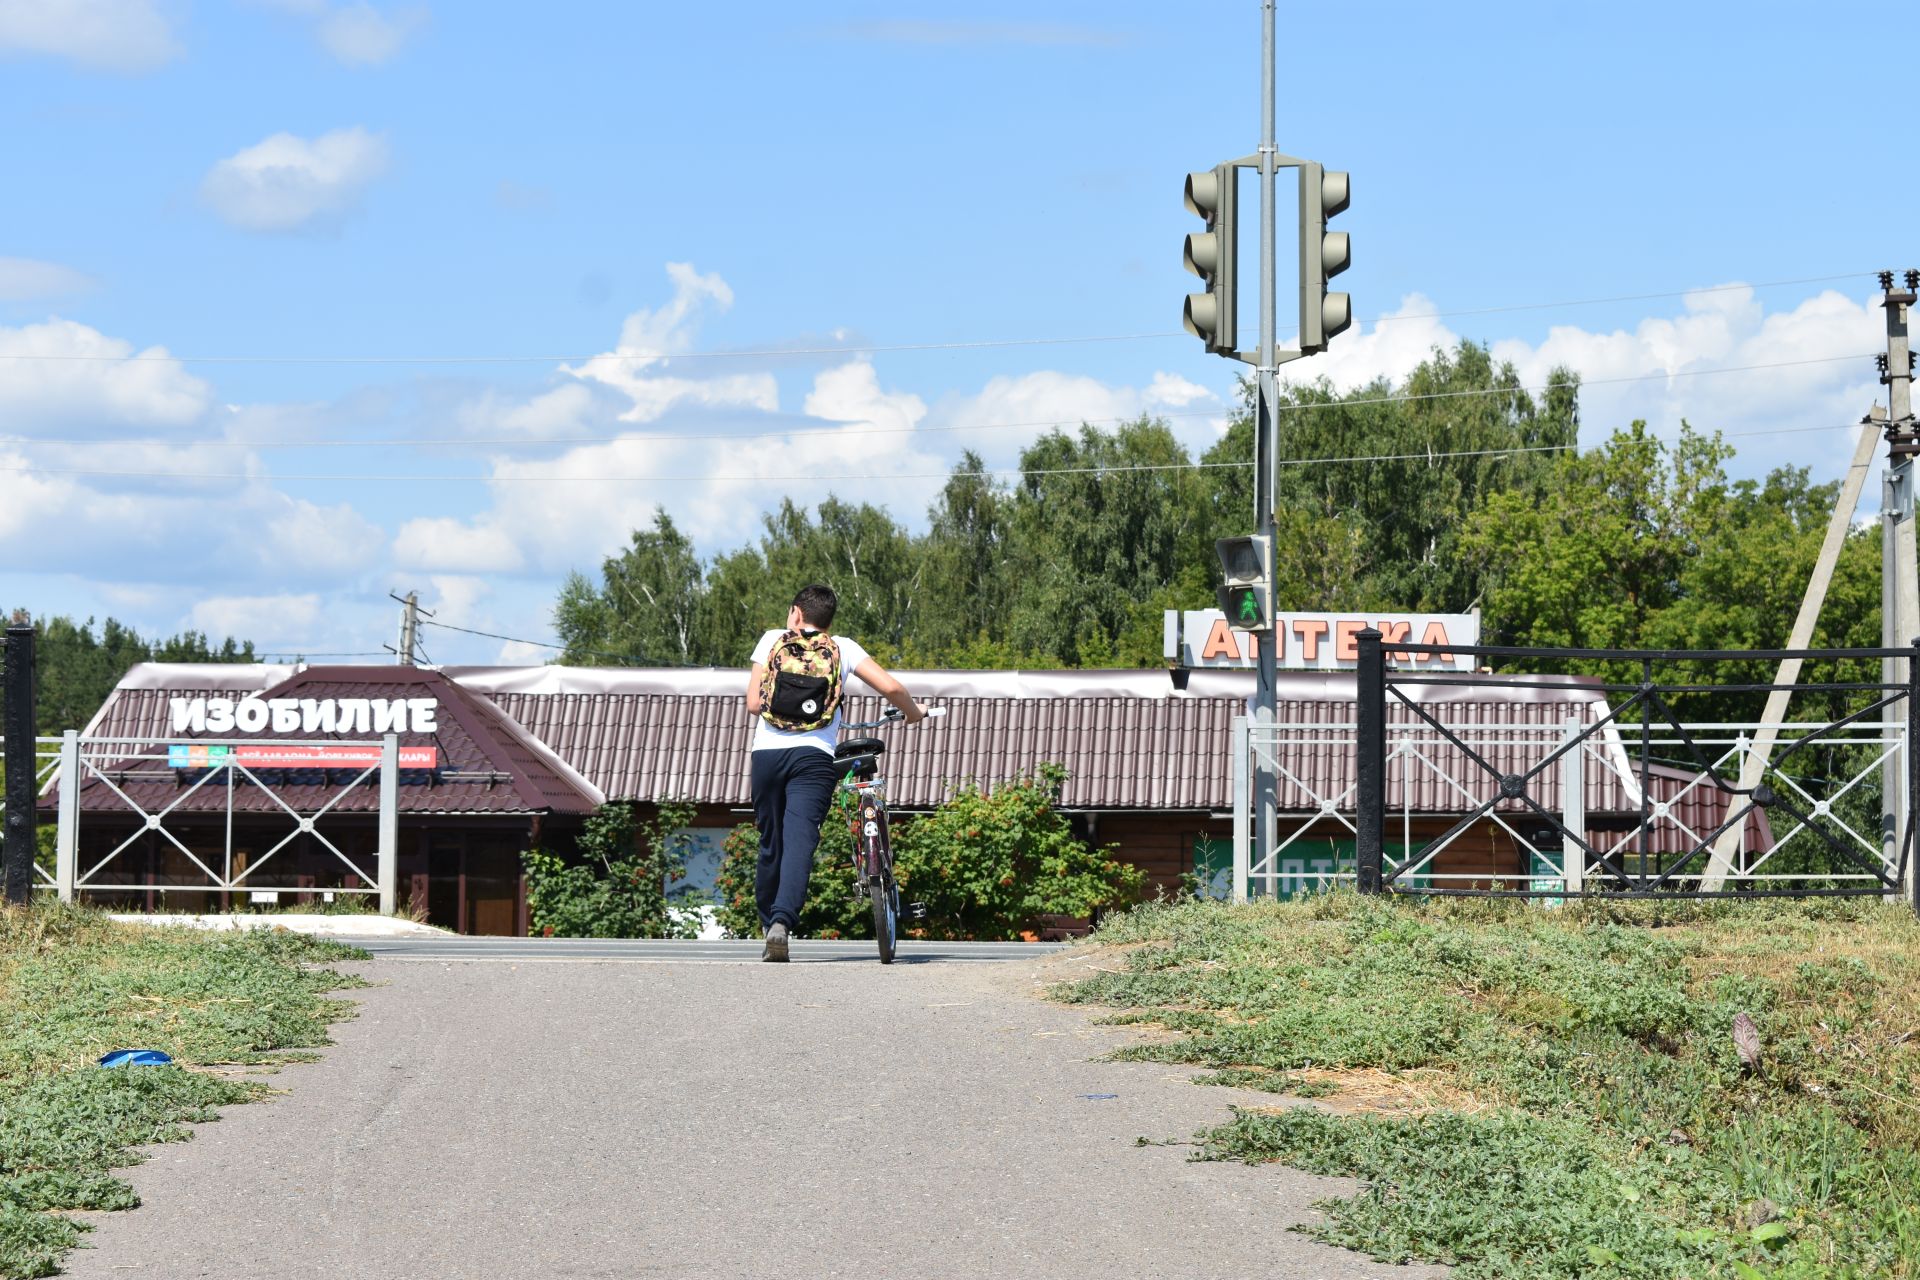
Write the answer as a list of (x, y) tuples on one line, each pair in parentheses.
[(135, 1058)]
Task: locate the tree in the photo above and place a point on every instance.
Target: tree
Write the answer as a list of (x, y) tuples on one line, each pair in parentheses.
[(866, 556), (1098, 525), (75, 670), (1638, 544), (964, 564), (646, 610)]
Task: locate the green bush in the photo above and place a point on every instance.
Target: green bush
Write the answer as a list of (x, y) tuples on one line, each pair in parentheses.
[(615, 884), (987, 865), (991, 864)]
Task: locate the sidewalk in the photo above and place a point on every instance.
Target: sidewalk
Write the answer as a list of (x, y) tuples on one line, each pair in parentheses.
[(716, 1120), (367, 925)]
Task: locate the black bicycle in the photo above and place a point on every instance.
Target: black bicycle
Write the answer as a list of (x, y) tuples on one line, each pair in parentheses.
[(872, 843)]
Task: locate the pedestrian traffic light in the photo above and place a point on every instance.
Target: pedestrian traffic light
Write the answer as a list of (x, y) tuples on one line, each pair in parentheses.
[(1323, 255), (1210, 254), (1246, 599)]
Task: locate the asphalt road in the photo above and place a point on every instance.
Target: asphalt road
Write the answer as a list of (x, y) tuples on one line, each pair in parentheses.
[(597, 1118), (652, 951)]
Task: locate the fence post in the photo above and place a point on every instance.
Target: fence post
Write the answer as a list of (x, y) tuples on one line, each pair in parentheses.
[(22, 767), (388, 859), (1573, 810), (1242, 804), (1909, 856), (66, 844), (1370, 761)]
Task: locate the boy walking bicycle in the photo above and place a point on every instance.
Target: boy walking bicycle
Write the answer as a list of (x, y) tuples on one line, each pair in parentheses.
[(795, 692)]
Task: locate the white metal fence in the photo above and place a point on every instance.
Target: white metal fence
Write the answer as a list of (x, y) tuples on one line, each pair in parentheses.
[(107, 767)]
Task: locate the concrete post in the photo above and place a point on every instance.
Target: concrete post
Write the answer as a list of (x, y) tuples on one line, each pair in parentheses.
[(389, 856)]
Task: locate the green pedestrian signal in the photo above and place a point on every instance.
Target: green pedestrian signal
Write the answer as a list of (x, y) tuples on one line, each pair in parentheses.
[(1247, 566), (1245, 607)]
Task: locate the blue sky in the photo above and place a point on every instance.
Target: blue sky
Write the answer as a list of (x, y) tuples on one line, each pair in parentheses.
[(242, 195)]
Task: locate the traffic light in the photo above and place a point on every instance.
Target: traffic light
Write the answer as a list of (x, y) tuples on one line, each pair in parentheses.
[(1246, 599), (1210, 254), (1323, 255)]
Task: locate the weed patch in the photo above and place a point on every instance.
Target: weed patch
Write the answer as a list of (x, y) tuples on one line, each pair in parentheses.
[(74, 985), (1561, 1093)]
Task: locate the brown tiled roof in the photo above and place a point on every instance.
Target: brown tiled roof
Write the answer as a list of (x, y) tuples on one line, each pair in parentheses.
[(1129, 741), (488, 764)]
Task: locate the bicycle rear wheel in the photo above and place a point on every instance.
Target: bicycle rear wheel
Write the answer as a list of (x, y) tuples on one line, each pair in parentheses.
[(886, 915)]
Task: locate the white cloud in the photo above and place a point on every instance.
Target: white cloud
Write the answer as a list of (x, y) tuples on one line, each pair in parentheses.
[(457, 598), (26, 280), (1176, 392), (1810, 367), (1807, 367), (84, 377), (568, 511), (360, 35), (1392, 349), (357, 34), (100, 35), (649, 338), (269, 621), (1010, 413), (308, 539), (572, 408), (289, 183), (449, 544)]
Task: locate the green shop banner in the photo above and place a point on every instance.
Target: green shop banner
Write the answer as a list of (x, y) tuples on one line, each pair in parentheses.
[(1305, 866)]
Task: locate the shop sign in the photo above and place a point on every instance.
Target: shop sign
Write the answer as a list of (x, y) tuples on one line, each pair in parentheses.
[(285, 716), (303, 755), (1316, 641)]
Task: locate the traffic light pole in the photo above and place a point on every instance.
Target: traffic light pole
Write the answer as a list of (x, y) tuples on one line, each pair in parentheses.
[(1265, 437)]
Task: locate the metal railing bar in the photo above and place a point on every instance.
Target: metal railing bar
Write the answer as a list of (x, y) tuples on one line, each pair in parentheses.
[(1641, 655), (1667, 895)]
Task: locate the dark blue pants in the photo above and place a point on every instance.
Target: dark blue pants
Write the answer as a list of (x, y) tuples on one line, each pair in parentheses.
[(792, 791)]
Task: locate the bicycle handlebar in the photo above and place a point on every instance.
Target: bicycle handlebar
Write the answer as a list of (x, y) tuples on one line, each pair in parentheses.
[(891, 714)]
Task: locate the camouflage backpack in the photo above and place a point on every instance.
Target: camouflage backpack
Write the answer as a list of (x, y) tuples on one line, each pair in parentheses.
[(801, 690)]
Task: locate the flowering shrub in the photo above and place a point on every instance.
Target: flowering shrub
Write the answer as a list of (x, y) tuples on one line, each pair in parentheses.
[(614, 885)]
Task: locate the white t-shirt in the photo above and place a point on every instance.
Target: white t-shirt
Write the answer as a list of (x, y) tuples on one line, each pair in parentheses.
[(768, 738)]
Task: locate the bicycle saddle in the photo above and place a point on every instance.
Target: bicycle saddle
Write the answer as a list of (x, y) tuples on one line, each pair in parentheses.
[(852, 747)]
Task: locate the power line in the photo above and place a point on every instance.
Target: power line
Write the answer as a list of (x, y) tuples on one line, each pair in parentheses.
[(550, 644), (836, 477), (766, 353), (1621, 297), (840, 432)]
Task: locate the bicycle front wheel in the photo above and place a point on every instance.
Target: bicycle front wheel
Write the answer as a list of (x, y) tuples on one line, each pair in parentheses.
[(886, 916)]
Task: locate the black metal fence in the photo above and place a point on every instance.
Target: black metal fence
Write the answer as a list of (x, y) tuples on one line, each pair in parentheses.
[(1656, 856), (17, 724)]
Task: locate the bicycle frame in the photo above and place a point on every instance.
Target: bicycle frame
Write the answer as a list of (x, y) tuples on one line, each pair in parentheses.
[(872, 839)]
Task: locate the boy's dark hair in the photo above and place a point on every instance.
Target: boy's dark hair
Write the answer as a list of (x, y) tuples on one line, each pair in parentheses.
[(817, 605)]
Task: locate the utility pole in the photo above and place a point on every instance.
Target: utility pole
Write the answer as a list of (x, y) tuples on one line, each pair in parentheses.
[(1899, 566), (409, 626)]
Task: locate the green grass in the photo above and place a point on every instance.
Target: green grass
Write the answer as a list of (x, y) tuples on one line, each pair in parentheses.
[(1588, 1114), (74, 985)]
